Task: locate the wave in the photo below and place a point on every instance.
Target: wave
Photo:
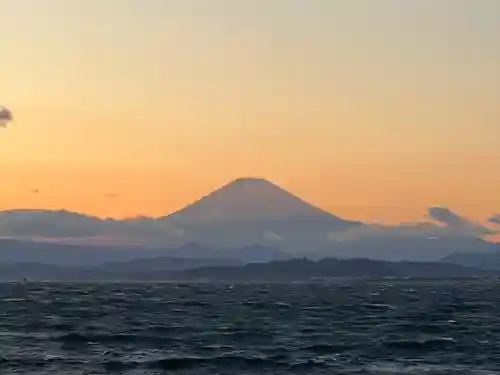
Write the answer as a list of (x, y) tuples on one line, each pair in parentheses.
[(108, 338), (426, 344)]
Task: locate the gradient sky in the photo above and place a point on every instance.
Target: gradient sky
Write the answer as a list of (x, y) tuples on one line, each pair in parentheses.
[(371, 109)]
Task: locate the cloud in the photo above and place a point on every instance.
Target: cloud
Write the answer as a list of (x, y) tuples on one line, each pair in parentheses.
[(381, 231), (5, 116), (25, 223), (73, 227), (446, 216), (70, 226), (271, 236), (97, 240), (494, 219), (458, 224), (445, 224)]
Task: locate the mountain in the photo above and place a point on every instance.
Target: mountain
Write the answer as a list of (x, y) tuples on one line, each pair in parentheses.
[(166, 264), (248, 219), (304, 269), (244, 212), (16, 251), (57, 254), (159, 268), (250, 211), (481, 260), (420, 249), (178, 269), (249, 200)]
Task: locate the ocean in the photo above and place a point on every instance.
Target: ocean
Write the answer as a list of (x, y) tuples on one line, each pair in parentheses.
[(348, 327)]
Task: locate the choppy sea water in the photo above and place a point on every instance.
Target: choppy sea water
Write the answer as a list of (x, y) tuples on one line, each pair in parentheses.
[(450, 327)]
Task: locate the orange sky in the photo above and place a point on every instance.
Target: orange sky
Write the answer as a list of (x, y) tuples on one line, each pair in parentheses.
[(371, 111)]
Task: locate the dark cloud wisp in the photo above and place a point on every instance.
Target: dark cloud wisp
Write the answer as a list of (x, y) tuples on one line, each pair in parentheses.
[(457, 223), (5, 116), (495, 219)]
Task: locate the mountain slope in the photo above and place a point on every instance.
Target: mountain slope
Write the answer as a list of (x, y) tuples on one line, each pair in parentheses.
[(251, 211), (248, 199), (476, 259)]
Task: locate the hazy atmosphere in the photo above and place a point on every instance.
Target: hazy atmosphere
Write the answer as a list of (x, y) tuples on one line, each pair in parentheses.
[(252, 187), (371, 110)]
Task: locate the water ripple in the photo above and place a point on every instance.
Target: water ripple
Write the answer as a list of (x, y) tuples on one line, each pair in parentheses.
[(344, 328)]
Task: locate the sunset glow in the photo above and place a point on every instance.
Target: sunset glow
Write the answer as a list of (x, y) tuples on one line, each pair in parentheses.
[(372, 110)]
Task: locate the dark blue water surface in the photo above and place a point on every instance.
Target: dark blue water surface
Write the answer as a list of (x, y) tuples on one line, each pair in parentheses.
[(450, 327)]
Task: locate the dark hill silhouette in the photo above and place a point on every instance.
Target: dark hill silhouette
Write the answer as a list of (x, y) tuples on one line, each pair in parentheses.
[(303, 269), (176, 269), (481, 260)]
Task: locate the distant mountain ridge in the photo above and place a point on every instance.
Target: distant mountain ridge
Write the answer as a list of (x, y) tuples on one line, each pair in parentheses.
[(306, 270), (178, 269), (489, 261), (250, 219), (15, 251)]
